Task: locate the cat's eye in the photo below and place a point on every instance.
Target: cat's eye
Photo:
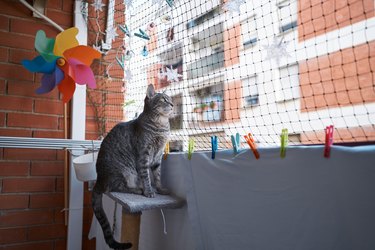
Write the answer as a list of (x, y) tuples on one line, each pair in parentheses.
[(167, 101)]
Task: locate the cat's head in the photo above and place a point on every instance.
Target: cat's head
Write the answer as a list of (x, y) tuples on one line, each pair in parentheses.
[(160, 103)]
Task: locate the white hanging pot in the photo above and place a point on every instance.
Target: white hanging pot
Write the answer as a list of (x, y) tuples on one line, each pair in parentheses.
[(84, 167)]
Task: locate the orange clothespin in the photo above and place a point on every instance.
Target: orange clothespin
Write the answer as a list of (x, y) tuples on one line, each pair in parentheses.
[(166, 150), (329, 141), (250, 140)]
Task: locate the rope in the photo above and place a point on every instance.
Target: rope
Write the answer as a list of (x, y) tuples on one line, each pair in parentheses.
[(164, 222)]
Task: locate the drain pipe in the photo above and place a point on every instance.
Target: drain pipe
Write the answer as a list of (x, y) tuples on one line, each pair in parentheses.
[(78, 129)]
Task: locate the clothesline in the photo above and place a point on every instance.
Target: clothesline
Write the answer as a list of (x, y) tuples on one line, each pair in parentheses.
[(48, 143)]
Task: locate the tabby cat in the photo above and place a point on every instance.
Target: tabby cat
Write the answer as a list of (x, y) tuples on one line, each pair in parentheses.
[(130, 157)]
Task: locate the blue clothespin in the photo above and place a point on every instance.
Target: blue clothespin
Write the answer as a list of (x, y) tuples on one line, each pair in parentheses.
[(236, 143), (125, 29), (214, 146), (142, 35), (170, 3), (190, 148), (144, 51)]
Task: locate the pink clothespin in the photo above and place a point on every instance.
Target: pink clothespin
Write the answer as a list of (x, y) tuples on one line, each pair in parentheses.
[(329, 141)]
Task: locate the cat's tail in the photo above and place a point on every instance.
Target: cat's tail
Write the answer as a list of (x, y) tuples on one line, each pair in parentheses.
[(97, 206)]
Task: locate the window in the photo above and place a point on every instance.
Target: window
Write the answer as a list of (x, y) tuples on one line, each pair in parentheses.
[(287, 87), (249, 32), (208, 103), (203, 18), (208, 51), (250, 91), (205, 65), (287, 13), (215, 108)]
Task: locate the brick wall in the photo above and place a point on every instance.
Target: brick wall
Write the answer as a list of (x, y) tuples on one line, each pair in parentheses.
[(342, 78), (31, 180), (316, 17), (232, 89), (104, 104), (232, 101), (232, 39)]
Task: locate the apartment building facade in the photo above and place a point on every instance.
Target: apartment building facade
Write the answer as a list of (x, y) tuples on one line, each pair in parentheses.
[(300, 65)]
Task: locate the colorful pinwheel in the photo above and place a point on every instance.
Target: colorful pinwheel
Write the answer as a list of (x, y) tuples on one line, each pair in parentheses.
[(63, 61)]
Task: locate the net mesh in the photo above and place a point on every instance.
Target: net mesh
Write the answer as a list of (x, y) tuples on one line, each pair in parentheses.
[(244, 67)]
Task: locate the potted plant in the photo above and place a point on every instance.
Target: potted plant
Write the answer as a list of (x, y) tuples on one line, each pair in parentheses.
[(204, 107), (213, 105), (197, 109)]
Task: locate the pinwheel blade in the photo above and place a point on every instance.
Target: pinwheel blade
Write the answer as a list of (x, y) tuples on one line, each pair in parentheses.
[(67, 87), (82, 53), (44, 46), (38, 64), (82, 73), (49, 81), (65, 40)]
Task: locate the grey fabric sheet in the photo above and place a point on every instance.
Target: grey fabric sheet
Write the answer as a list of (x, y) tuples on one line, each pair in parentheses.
[(304, 201)]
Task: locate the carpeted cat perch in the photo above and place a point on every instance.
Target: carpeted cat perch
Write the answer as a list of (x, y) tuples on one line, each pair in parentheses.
[(132, 207), (133, 203)]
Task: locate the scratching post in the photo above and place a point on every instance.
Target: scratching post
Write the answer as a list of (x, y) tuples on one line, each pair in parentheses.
[(132, 207), (130, 228)]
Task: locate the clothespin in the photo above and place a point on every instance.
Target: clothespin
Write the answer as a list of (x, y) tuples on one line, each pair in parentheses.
[(120, 62), (124, 28), (166, 150), (250, 140), (329, 141), (236, 143), (190, 148), (142, 35), (284, 142), (213, 146), (144, 51), (129, 55), (170, 3)]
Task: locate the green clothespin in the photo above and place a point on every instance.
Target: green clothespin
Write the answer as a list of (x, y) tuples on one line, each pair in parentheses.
[(190, 148), (284, 142)]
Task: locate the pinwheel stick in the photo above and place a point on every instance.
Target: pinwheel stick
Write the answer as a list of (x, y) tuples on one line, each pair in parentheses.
[(41, 15)]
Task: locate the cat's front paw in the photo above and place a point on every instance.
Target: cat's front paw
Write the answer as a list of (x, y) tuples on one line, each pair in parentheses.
[(149, 194), (163, 191)]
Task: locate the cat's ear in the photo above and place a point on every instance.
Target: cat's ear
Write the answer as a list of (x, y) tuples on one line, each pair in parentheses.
[(150, 91)]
